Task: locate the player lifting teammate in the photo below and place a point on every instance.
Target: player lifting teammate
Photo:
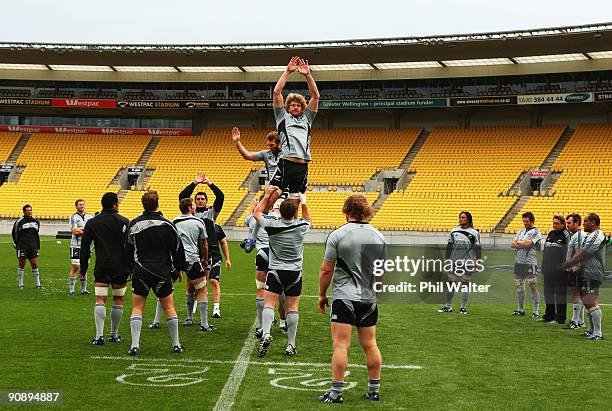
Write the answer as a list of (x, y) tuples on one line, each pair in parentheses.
[(27, 243), (77, 226)]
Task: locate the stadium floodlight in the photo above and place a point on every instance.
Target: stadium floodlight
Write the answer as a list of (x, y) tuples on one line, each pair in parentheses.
[(70, 67), (263, 68), (340, 67), (23, 66), (147, 69), (408, 65), (551, 58), (477, 62), (210, 69), (600, 54)]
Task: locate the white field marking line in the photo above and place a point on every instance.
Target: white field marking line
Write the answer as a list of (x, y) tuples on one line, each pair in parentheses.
[(230, 389), (264, 363)]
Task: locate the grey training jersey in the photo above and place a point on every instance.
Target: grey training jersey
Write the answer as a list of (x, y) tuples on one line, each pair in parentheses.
[(286, 240), (528, 255), (270, 159), (294, 132), (574, 244), (354, 271), (209, 214), (465, 242), (77, 220), (191, 231), (262, 236), (594, 250)]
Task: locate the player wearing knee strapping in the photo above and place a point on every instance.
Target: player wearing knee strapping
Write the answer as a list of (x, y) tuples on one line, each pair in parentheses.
[(77, 225), (27, 243), (525, 267), (286, 239), (463, 246), (192, 232), (108, 233)]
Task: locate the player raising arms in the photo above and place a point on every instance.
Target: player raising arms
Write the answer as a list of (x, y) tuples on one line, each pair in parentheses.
[(294, 118)]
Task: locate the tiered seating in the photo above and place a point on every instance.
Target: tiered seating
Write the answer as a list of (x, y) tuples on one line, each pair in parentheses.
[(325, 208), (7, 144), (466, 169), (350, 156), (585, 184), (60, 168), (177, 160)]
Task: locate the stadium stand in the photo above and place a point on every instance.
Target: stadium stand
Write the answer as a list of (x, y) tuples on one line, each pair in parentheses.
[(177, 160), (466, 169), (585, 184), (60, 168), (7, 144), (350, 156)]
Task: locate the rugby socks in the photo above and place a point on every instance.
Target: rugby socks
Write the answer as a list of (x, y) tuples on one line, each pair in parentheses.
[(216, 306), (136, 326), (520, 292), (449, 295), (292, 322), (203, 307), (158, 312), (173, 329), (581, 314), (373, 385), (190, 298), (591, 325), (535, 300), (266, 319), (36, 275), (83, 284), (99, 317), (281, 300), (116, 314), (577, 306), (72, 281), (282, 323), (464, 298), (336, 389), (595, 315), (20, 272), (259, 306)]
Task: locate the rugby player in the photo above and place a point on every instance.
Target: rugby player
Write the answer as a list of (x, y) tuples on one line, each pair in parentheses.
[(573, 223), (555, 278), (27, 243), (294, 118), (463, 245), (348, 265), (108, 233), (157, 254), (270, 158), (192, 232), (525, 264), (286, 239), (77, 225), (591, 256)]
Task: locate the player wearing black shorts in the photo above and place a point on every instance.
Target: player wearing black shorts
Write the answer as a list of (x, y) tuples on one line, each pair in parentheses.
[(286, 239), (108, 233), (353, 296), (27, 243), (158, 257)]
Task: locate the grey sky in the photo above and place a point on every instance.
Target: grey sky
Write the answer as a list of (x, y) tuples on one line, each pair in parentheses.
[(244, 21)]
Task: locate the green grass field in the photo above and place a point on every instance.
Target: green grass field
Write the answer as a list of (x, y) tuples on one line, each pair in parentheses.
[(485, 360)]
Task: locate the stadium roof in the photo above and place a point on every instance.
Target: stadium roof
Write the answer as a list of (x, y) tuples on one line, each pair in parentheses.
[(587, 47)]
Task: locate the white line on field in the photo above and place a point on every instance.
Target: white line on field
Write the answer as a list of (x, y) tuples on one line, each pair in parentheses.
[(228, 394), (288, 364)]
